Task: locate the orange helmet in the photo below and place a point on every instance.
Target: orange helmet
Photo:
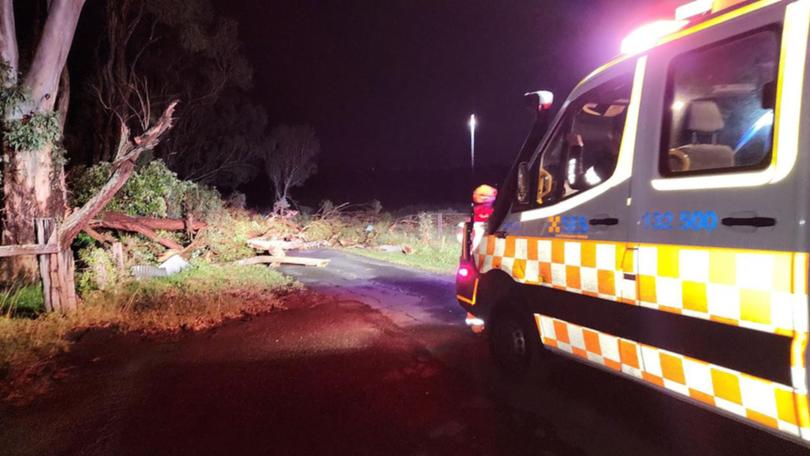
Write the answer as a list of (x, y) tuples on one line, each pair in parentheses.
[(484, 195)]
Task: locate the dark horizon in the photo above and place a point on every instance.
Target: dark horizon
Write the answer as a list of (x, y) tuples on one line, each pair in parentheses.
[(330, 64)]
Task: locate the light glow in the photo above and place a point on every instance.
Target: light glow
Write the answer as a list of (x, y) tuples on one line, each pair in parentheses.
[(692, 9), (472, 320), (648, 35), (463, 271)]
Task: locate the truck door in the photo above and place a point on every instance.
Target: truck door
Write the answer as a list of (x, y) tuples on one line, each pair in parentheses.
[(566, 238), (720, 270)]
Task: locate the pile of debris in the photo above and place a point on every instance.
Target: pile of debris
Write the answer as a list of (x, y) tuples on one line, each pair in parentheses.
[(270, 248)]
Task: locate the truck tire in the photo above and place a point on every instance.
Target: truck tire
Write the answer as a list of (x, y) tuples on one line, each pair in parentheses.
[(512, 342)]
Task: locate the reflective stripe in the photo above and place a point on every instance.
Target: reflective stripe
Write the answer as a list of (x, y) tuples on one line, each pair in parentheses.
[(770, 404), (756, 289)]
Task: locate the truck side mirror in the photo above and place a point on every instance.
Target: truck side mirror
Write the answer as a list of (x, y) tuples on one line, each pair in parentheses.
[(539, 101), (522, 192)]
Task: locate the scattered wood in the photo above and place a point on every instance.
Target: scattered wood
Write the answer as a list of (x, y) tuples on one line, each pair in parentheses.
[(195, 244), (279, 260), (270, 245)]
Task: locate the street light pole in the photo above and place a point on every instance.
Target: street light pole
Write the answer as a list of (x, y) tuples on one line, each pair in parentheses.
[(473, 123)]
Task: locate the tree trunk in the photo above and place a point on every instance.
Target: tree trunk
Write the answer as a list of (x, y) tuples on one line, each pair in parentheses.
[(33, 188)]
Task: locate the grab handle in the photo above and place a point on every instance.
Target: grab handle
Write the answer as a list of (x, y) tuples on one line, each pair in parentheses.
[(758, 222)]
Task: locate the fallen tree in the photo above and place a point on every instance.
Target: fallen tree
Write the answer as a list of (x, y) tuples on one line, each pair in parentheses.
[(57, 270), (114, 220), (145, 226)]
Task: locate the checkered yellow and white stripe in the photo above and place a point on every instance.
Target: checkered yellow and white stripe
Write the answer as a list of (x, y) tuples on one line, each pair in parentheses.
[(770, 404), (760, 290), (591, 268)]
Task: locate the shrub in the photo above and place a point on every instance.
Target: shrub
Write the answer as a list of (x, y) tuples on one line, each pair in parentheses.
[(99, 272), (152, 190)]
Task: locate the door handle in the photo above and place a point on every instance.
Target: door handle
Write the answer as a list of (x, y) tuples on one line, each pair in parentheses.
[(758, 222), (608, 221)]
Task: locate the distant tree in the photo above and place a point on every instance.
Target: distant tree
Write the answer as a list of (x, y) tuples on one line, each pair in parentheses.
[(291, 158)]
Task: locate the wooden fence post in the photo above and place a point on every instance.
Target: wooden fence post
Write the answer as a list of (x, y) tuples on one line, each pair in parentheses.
[(44, 227), (118, 256), (440, 227), (57, 270)]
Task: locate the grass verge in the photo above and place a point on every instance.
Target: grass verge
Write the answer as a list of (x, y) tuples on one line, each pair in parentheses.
[(427, 257), (195, 299)]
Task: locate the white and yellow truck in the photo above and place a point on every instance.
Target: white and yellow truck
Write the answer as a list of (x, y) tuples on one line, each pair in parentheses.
[(657, 226)]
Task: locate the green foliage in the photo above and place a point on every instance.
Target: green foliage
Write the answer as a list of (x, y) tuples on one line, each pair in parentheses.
[(26, 301), (11, 98), (33, 132), (99, 271), (153, 190), (319, 230)]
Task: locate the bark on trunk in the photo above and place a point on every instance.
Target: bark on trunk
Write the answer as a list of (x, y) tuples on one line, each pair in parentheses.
[(9, 52), (42, 79), (33, 188)]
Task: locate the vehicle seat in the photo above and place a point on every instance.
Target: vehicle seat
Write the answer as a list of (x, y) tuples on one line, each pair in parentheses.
[(703, 119)]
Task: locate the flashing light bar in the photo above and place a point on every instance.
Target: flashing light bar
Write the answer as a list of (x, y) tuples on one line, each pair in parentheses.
[(692, 9), (646, 36)]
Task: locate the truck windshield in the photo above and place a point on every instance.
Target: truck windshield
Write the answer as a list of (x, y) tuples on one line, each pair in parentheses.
[(584, 148)]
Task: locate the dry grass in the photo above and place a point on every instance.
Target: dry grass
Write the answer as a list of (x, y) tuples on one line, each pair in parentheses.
[(196, 299)]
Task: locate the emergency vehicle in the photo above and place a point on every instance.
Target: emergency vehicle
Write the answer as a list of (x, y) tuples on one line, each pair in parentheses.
[(657, 226)]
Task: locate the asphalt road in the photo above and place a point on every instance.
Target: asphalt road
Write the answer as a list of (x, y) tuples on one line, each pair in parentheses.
[(376, 361)]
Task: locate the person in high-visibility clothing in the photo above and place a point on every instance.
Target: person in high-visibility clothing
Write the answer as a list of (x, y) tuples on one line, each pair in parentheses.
[(483, 205), (483, 201)]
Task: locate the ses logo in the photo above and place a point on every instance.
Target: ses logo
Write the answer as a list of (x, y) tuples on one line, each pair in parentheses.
[(695, 221), (568, 224)]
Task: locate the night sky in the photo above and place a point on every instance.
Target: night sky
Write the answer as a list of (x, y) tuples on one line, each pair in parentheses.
[(389, 85)]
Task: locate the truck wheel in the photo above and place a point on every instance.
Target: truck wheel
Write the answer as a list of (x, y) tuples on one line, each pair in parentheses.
[(512, 342)]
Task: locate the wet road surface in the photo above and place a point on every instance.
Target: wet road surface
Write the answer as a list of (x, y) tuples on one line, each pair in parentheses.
[(376, 361)]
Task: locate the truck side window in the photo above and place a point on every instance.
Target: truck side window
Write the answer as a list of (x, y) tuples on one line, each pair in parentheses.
[(720, 107), (584, 149)]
